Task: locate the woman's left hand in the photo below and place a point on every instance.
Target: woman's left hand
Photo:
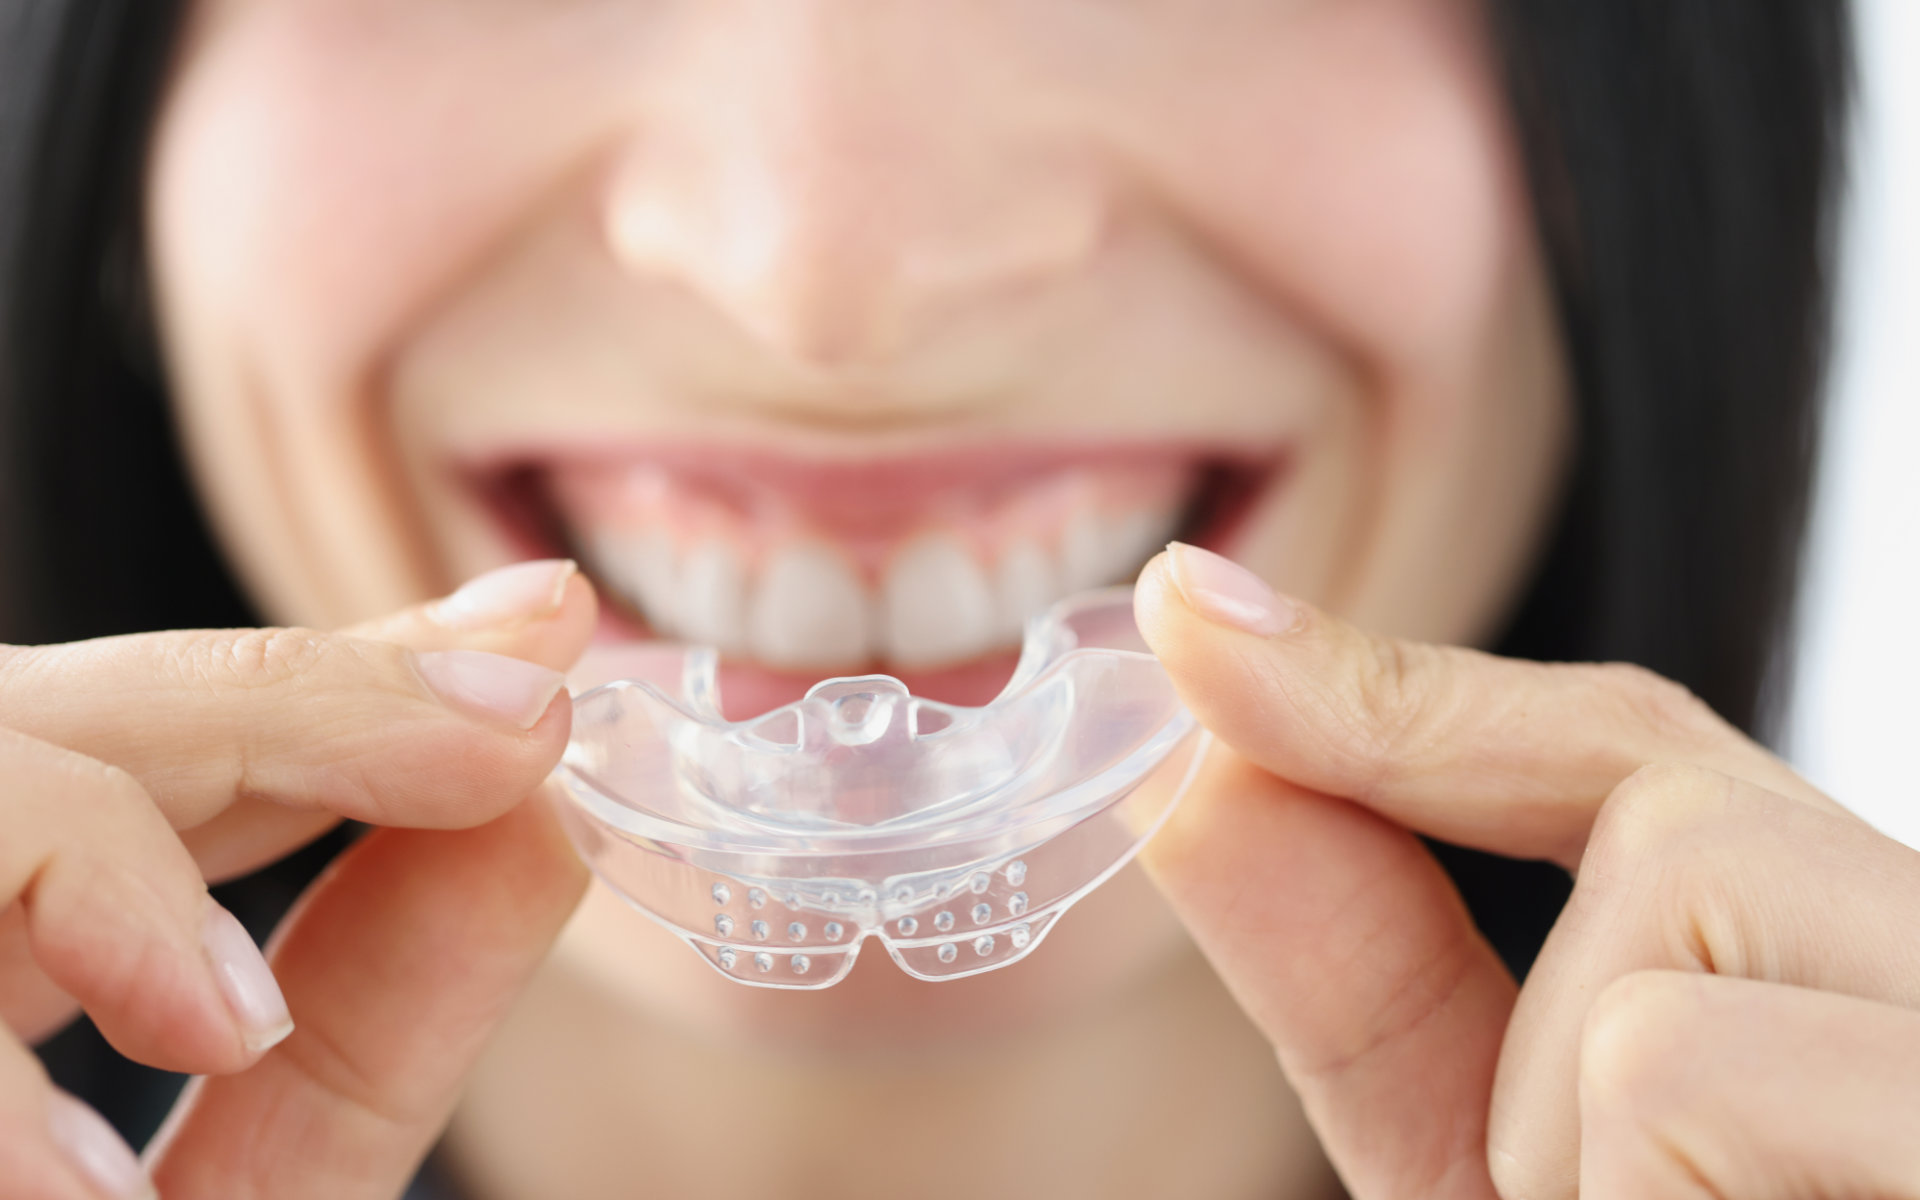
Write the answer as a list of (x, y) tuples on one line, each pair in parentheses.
[(1729, 1005)]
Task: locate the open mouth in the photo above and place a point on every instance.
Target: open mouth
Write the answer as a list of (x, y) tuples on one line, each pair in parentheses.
[(924, 566)]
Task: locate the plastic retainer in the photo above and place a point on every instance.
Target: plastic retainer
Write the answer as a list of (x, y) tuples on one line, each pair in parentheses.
[(777, 845)]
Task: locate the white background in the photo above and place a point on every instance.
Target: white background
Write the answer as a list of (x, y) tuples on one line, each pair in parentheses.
[(1856, 718)]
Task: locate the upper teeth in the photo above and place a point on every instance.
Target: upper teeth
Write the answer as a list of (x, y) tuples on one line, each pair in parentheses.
[(809, 609), (805, 608)]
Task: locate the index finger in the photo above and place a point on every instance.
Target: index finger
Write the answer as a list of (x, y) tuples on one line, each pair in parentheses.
[(1499, 754), (363, 729)]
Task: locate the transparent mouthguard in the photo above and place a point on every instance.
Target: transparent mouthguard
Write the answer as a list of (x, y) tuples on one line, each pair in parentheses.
[(957, 836)]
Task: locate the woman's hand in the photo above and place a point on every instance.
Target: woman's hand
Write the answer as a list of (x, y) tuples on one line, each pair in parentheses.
[(1727, 1007), (135, 769)]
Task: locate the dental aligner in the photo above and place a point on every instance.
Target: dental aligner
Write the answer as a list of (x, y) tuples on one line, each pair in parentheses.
[(957, 836)]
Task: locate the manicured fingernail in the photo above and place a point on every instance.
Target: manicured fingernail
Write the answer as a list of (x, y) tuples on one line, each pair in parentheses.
[(528, 591), (95, 1150), (1226, 593), (492, 685), (245, 979)]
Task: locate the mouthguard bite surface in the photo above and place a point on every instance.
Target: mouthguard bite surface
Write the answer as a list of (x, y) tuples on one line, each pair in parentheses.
[(776, 846)]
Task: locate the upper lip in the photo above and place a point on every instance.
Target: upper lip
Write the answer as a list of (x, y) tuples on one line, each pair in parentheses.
[(778, 460), (857, 489)]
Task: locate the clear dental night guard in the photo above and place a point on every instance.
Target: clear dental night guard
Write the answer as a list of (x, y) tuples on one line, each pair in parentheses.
[(956, 836)]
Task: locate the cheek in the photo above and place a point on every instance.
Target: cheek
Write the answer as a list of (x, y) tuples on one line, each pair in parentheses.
[(1360, 168), (322, 171), (1391, 189), (1367, 180)]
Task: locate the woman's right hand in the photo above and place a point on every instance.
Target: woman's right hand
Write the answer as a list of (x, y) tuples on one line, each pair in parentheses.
[(134, 770)]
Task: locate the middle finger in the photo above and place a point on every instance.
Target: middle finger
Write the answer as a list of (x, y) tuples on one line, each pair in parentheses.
[(1691, 870), (398, 963)]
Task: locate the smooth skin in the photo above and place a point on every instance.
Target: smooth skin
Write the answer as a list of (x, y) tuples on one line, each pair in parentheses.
[(393, 242), (243, 745), (386, 233), (1726, 1007)]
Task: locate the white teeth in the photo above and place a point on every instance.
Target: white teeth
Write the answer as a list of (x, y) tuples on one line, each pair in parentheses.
[(641, 565), (1096, 550), (1138, 536), (1025, 586), (657, 579), (936, 604), (713, 597), (809, 610), (1083, 551)]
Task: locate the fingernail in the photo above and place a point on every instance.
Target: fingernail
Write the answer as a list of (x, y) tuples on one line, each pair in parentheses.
[(1226, 593), (527, 591), (245, 979), (95, 1150), (492, 685)]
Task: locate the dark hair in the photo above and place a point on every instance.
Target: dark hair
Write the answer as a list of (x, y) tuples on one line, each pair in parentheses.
[(99, 531), (1683, 156)]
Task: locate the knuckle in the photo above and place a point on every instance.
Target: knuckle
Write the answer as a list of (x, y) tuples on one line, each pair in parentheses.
[(1405, 706), (1655, 808), (1392, 685), (1522, 1172), (1671, 845), (109, 925), (102, 909), (86, 790), (1634, 1036), (117, 789), (1657, 703), (257, 658)]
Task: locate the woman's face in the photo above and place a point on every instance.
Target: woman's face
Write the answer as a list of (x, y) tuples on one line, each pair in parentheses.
[(848, 334)]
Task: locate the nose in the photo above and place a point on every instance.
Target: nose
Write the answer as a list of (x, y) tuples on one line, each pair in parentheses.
[(840, 187)]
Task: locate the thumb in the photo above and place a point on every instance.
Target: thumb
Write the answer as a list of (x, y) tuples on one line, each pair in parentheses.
[(1499, 754), (1336, 931), (1345, 943), (542, 611)]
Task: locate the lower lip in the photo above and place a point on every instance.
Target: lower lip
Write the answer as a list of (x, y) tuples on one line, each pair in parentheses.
[(747, 689)]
